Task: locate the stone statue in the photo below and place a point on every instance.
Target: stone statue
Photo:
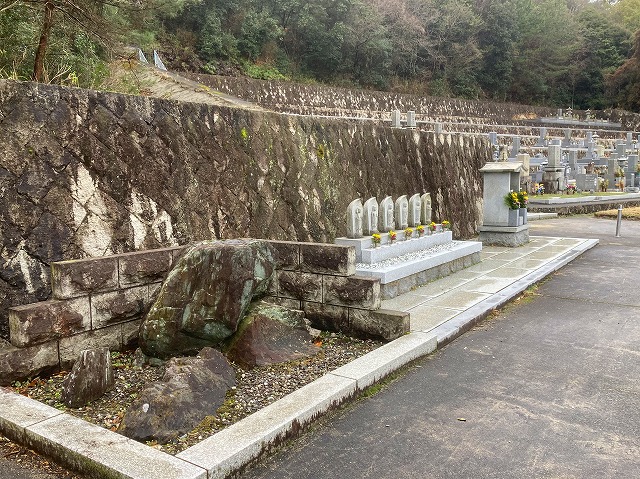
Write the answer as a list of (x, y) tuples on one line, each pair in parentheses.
[(370, 216), (385, 215), (354, 219), (426, 208), (402, 212), (414, 210)]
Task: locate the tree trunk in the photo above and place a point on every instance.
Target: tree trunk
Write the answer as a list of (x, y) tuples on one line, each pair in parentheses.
[(38, 66)]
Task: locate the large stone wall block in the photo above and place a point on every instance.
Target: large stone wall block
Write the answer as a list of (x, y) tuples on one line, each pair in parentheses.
[(285, 302), (326, 317), (327, 259), (38, 323), (71, 347), (302, 286), (17, 364), (119, 306), (382, 324), (144, 267), (70, 279), (286, 254), (354, 291)]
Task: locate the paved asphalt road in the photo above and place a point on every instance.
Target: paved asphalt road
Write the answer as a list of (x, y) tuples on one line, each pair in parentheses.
[(549, 387)]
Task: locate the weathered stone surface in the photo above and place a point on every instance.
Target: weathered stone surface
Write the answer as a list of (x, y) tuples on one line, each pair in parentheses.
[(286, 254), (48, 320), (70, 347), (328, 259), (271, 334), (326, 317), (130, 333), (90, 377), (17, 364), (353, 291), (106, 155), (297, 285), (144, 267), (206, 295), (382, 324), (190, 389), (119, 306), (70, 279)]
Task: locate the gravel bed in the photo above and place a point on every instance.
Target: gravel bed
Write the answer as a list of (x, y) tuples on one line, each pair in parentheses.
[(255, 389), (421, 254)]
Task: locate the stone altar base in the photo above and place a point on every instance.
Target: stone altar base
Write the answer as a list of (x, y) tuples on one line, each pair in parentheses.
[(511, 236), (405, 265)]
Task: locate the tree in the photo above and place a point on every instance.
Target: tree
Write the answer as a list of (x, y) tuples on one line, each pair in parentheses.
[(624, 84)]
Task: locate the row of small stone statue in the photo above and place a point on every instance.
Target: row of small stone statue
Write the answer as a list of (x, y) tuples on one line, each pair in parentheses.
[(372, 218)]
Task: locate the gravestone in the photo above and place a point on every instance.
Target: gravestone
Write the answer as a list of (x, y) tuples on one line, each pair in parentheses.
[(414, 210), (525, 176), (587, 182), (629, 144), (425, 209), (515, 148), (542, 140), (370, 216), (566, 141), (493, 138), (553, 176), (437, 128), (354, 219), (500, 224), (411, 119), (621, 148), (559, 113), (385, 215), (395, 119), (402, 212), (632, 170)]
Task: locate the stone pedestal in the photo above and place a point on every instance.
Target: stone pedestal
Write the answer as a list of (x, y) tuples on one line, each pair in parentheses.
[(511, 236), (501, 225)]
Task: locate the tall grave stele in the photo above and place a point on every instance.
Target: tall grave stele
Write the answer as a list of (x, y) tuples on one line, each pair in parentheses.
[(500, 225)]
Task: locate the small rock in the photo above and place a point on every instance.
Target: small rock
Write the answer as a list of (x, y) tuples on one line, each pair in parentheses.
[(90, 378)]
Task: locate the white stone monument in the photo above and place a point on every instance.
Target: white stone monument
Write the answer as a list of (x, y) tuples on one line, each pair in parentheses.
[(425, 209), (354, 219), (402, 212), (414, 210), (370, 216), (385, 215)]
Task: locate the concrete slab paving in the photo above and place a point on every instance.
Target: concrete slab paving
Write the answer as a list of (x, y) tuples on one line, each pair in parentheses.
[(488, 284), (458, 298), (426, 319), (404, 302), (443, 285)]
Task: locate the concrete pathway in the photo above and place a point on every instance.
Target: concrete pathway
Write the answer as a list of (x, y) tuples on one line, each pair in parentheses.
[(547, 388)]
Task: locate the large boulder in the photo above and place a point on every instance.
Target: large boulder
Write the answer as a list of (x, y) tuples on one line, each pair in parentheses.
[(206, 295), (271, 334), (90, 377), (191, 389)]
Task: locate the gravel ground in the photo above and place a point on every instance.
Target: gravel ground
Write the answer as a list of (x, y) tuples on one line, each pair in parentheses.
[(255, 388)]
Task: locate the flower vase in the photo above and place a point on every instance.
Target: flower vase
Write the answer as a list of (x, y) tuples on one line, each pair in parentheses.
[(513, 217), (522, 213)]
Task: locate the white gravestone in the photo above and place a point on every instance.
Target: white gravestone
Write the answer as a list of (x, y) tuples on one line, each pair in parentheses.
[(402, 212), (425, 208), (385, 215), (354, 219), (370, 216), (414, 210)]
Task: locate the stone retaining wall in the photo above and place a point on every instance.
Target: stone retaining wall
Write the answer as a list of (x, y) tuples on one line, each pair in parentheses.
[(87, 174), (100, 302)]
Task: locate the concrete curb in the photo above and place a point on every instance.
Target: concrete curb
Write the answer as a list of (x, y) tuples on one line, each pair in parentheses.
[(94, 451)]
